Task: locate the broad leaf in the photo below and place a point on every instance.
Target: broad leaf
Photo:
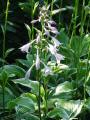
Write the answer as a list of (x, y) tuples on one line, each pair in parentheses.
[(34, 85), (14, 69)]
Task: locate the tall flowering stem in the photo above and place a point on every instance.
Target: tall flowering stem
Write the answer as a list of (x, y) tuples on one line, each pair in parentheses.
[(45, 43)]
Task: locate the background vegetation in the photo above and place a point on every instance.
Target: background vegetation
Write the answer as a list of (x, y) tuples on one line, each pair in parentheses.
[(64, 95)]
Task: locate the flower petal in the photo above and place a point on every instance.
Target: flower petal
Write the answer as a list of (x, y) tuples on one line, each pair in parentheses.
[(25, 48), (52, 49), (56, 42), (59, 57), (52, 22)]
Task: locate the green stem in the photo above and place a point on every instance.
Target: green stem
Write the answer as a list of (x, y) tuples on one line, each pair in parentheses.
[(4, 42), (60, 14), (32, 29), (39, 95), (75, 16), (3, 96), (32, 16), (39, 100), (75, 13), (46, 106), (52, 7), (83, 16), (87, 28), (4, 32)]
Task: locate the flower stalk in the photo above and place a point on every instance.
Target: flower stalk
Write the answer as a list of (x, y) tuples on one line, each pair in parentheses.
[(45, 43)]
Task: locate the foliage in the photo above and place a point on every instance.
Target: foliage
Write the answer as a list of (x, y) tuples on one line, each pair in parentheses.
[(52, 80)]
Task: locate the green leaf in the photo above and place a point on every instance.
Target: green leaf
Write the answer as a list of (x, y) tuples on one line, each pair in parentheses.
[(22, 105), (14, 69), (87, 103), (29, 31), (63, 37), (63, 88), (35, 6), (8, 52), (57, 11), (58, 113), (88, 90), (67, 110), (23, 62), (73, 107), (85, 44), (30, 95), (34, 85), (28, 116), (80, 45), (8, 96), (3, 78), (27, 6), (29, 59)]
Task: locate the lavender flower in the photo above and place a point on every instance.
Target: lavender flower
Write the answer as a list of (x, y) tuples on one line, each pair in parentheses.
[(56, 42), (59, 57), (53, 29), (47, 71), (51, 22), (52, 49), (25, 48), (49, 27)]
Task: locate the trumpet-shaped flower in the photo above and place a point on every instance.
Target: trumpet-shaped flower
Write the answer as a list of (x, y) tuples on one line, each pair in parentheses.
[(37, 61), (56, 42), (59, 57), (52, 23), (47, 71), (52, 49), (25, 48), (53, 29)]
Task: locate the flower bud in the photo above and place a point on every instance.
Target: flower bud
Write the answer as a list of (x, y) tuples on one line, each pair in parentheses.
[(38, 38), (37, 61), (47, 71)]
